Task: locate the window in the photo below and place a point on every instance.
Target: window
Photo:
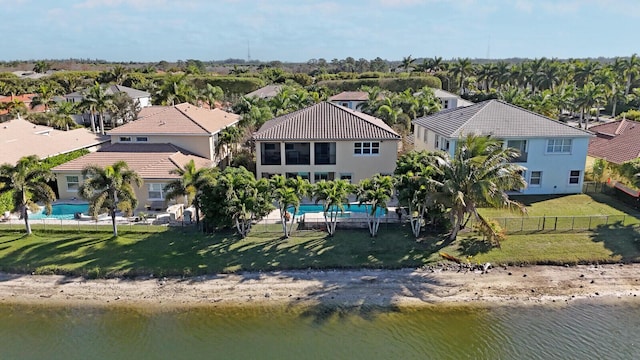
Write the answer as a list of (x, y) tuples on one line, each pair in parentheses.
[(520, 145), (125, 138), (347, 177), (424, 136), (574, 177), (442, 143), (325, 153), (536, 178), (156, 191), (293, 175), (142, 139), (366, 148), (319, 176), (559, 146), (73, 183), (270, 153), (297, 153), (345, 104), (445, 104)]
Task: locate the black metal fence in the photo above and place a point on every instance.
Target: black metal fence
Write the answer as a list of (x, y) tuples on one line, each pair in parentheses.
[(563, 223)]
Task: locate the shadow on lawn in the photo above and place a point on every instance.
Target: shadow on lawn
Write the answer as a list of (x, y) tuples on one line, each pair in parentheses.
[(473, 245), (623, 241), (528, 200)]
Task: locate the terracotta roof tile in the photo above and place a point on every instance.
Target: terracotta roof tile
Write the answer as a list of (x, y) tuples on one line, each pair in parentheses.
[(179, 119), (150, 161), (325, 121), (20, 138), (616, 141)]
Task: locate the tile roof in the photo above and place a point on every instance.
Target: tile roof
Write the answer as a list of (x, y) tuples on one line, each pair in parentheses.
[(496, 118), (350, 96), (20, 138), (266, 92), (325, 121), (150, 161), (185, 119), (616, 141), (113, 89)]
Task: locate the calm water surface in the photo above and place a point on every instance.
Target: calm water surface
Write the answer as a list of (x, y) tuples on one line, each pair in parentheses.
[(579, 331)]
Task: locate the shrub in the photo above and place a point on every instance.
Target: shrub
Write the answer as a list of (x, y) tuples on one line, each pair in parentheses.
[(631, 115)]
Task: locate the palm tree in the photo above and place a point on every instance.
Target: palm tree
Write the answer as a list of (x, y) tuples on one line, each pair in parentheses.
[(407, 63), (288, 193), (211, 94), (97, 101), (28, 181), (333, 195), (631, 71), (190, 183), (45, 94), (589, 96), (480, 173), (64, 111), (416, 180), (175, 89), (227, 142), (110, 188), (461, 69), (374, 193), (41, 67)]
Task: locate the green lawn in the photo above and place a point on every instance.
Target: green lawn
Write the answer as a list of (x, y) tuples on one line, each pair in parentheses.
[(178, 251)]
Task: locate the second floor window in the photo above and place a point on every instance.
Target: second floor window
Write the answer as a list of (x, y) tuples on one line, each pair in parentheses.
[(366, 148), (559, 146)]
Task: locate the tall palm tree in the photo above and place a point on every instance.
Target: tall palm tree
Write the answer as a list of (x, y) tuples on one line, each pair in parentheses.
[(64, 111), (461, 69), (407, 63), (29, 182), (333, 195), (44, 96), (631, 71), (480, 172), (190, 183), (175, 89), (288, 193), (96, 101), (374, 193), (227, 143), (589, 96), (210, 94), (110, 188)]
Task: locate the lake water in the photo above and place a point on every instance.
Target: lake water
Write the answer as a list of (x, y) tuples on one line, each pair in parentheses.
[(576, 331)]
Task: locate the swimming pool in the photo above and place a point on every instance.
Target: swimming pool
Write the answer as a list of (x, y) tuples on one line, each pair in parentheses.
[(317, 208), (61, 212)]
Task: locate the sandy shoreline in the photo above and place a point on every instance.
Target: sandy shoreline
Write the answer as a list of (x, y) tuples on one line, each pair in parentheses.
[(408, 287)]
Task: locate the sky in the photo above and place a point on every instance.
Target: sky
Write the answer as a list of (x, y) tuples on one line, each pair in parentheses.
[(299, 30)]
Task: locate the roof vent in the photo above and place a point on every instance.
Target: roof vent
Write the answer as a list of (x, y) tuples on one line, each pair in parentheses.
[(162, 122)]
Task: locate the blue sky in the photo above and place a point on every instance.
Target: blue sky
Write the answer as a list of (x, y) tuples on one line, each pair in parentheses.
[(299, 30)]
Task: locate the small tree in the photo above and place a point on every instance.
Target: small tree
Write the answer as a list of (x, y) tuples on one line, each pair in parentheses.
[(28, 182), (190, 184), (333, 195), (288, 193), (374, 193), (107, 187)]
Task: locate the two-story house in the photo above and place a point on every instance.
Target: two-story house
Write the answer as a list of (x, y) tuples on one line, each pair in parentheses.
[(164, 138), (552, 152), (350, 99), (325, 142)]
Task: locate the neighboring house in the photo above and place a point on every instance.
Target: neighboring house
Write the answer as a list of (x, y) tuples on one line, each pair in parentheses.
[(153, 162), (266, 92), (552, 153), (20, 138), (449, 100), (184, 125), (350, 99), (326, 142), (143, 98), (26, 99), (616, 142)]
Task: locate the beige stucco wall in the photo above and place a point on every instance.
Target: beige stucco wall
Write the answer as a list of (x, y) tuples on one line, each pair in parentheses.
[(422, 141), (141, 192), (359, 166), (199, 145)]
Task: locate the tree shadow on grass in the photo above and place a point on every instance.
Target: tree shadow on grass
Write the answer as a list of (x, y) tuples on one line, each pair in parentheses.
[(621, 240), (473, 245)]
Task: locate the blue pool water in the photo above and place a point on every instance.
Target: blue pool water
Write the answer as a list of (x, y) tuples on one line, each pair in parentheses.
[(61, 212), (317, 208)]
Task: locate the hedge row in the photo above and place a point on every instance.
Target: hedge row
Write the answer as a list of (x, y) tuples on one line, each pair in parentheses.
[(391, 84)]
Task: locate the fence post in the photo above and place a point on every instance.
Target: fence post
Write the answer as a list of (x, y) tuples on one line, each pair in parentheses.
[(544, 221), (555, 225), (522, 224), (573, 221), (538, 228)]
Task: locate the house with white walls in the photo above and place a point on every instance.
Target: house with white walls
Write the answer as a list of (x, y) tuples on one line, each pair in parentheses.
[(552, 153)]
